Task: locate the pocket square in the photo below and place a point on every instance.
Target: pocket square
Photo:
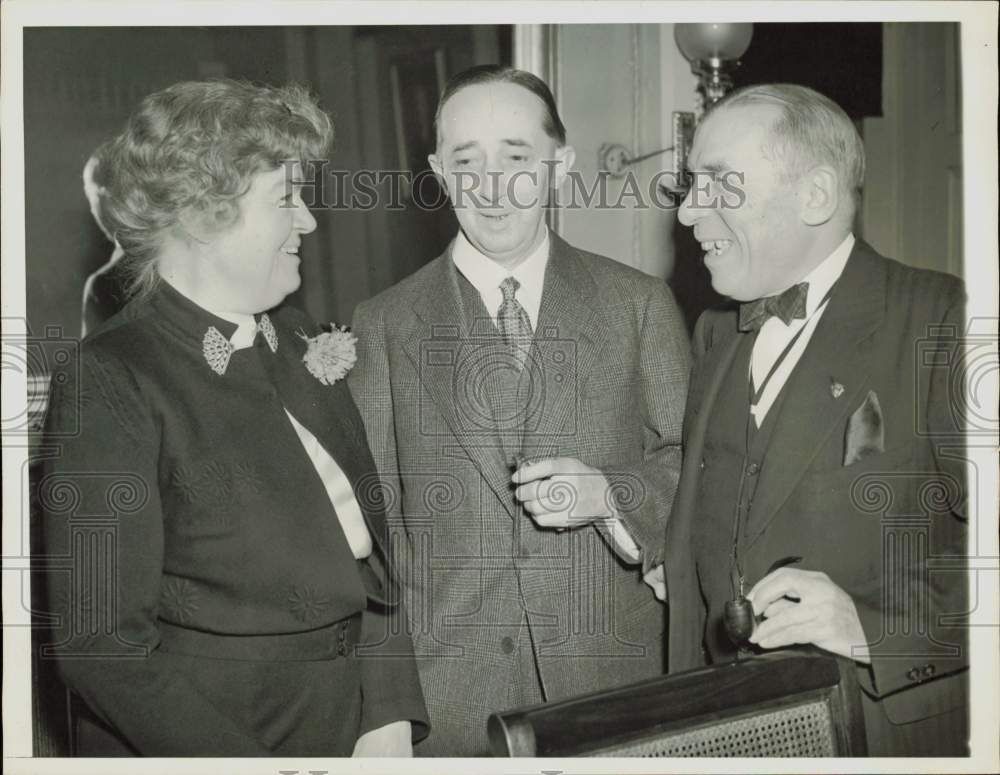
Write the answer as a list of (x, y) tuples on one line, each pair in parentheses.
[(865, 435)]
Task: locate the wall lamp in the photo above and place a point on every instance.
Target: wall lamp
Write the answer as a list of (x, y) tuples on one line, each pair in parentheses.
[(714, 51)]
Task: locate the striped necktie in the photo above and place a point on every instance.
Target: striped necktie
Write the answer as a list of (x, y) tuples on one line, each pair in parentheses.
[(513, 321)]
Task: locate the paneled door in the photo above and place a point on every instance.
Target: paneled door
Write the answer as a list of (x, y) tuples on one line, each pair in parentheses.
[(912, 207)]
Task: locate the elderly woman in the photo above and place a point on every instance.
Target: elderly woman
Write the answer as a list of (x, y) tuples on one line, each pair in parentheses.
[(215, 532)]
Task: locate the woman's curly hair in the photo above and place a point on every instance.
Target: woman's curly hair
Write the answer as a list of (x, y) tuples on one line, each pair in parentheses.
[(198, 144)]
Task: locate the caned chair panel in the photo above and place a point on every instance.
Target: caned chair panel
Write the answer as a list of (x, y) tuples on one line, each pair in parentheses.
[(782, 704)]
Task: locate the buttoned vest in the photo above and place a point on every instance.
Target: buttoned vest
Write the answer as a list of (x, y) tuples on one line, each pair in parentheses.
[(735, 454)]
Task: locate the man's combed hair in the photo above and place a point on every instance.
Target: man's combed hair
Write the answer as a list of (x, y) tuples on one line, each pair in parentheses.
[(552, 124), (811, 129), (198, 144)]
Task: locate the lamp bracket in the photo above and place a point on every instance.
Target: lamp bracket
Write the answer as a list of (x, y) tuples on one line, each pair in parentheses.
[(614, 158)]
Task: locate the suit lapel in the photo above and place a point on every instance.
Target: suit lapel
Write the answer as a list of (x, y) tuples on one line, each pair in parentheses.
[(838, 352), (446, 349), (685, 603), (569, 338), (716, 362), (712, 371), (329, 414)]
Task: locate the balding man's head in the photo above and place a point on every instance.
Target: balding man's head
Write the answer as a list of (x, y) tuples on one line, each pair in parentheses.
[(810, 130)]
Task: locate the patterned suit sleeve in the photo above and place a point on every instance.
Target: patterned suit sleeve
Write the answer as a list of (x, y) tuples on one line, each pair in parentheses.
[(390, 684), (102, 490), (371, 388), (644, 496), (909, 656)]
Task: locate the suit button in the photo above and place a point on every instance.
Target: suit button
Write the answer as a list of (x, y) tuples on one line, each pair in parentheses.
[(928, 671), (507, 645), (703, 463), (913, 673), (752, 469)]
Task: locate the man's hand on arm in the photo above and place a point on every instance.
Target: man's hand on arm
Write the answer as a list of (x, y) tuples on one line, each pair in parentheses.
[(394, 739), (801, 606)]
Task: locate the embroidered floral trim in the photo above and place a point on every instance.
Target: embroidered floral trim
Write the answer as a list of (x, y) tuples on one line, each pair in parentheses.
[(266, 327), (330, 355), (70, 396), (246, 479), (217, 350), (179, 598), (216, 481), (307, 604), (185, 479), (209, 493)]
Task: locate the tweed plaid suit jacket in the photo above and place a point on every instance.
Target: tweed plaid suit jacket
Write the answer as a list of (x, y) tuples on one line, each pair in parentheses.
[(605, 382)]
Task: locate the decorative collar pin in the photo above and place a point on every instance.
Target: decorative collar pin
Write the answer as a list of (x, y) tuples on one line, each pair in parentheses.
[(218, 350), (331, 354), (266, 327), (836, 389)]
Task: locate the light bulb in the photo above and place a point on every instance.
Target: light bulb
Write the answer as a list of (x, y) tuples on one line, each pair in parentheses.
[(713, 41)]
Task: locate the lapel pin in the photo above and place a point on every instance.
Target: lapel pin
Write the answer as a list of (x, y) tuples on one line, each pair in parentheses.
[(836, 389)]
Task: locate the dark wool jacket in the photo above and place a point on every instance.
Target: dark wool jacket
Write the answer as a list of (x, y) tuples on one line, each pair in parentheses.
[(890, 529), (189, 498)]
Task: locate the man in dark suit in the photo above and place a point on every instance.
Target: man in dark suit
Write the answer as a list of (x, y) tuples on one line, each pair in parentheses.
[(823, 471), (524, 401)]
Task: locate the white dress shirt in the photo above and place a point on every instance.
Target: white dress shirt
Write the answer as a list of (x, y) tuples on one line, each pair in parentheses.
[(774, 335), (486, 275), (338, 486)]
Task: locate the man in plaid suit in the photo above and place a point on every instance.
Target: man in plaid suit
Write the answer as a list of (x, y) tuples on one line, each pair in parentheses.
[(523, 400)]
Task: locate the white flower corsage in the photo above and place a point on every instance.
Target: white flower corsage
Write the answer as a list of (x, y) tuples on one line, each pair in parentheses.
[(331, 354)]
